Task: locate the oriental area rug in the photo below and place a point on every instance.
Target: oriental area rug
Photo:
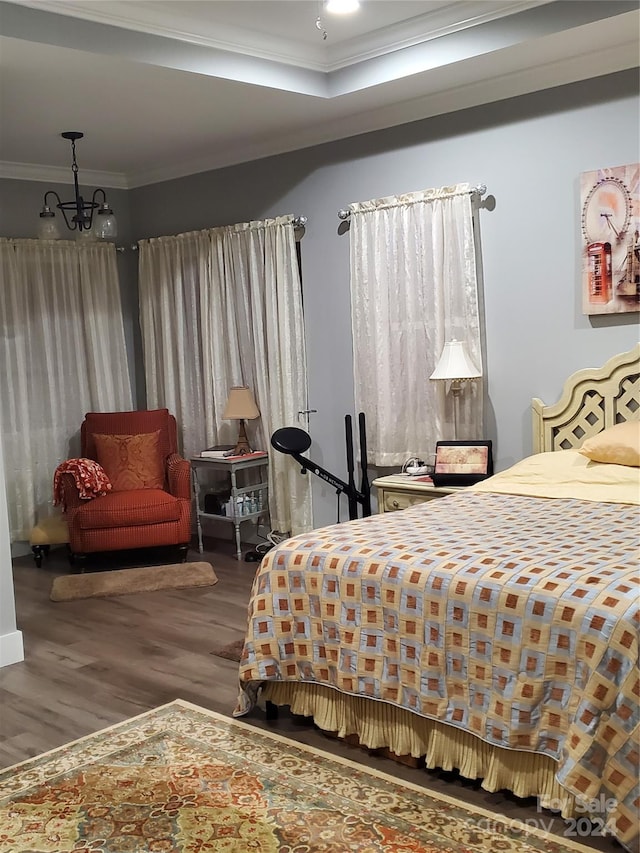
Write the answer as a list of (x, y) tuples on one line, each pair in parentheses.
[(181, 779)]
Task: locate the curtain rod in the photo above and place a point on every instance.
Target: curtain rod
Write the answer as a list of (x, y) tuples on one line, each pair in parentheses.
[(297, 222), (480, 190)]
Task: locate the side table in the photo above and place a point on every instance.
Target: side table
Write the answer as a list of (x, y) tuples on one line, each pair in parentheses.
[(398, 491), (246, 500)]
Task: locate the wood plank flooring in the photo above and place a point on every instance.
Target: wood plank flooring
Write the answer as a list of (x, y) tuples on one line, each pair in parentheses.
[(89, 664)]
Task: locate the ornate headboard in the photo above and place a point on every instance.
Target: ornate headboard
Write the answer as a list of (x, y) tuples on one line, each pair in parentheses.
[(592, 400)]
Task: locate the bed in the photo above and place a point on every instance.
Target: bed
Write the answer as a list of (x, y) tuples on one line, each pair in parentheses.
[(494, 631)]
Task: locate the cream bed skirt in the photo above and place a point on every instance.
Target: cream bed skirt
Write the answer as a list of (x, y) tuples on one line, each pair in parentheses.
[(378, 725)]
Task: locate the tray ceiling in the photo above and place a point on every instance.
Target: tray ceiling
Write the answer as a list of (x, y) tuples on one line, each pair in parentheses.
[(166, 88)]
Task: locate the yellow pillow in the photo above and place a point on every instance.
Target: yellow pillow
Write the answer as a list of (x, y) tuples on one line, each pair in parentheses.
[(618, 445), (131, 461)]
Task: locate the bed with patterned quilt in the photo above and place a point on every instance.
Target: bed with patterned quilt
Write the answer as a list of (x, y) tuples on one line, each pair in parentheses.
[(494, 631)]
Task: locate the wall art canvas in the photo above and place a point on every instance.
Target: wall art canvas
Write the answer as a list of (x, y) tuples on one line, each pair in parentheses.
[(610, 206)]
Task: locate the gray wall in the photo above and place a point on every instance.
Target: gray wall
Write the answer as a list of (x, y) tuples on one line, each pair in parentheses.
[(11, 645), (529, 152)]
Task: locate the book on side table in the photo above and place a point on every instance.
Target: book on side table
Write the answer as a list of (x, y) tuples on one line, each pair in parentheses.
[(225, 454), (217, 452)]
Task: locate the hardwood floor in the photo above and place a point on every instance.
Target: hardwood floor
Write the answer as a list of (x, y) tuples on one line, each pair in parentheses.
[(92, 663)]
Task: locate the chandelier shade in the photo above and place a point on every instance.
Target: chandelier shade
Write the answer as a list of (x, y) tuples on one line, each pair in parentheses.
[(90, 219)]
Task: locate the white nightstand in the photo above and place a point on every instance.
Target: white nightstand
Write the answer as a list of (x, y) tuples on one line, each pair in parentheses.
[(247, 501), (398, 491)]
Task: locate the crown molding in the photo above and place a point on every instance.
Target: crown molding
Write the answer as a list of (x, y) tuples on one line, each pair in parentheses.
[(228, 39), (424, 28), (514, 83), (62, 175), (500, 87), (421, 28)]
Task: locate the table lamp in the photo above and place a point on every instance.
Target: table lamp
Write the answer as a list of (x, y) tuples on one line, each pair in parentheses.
[(241, 406), (455, 366)]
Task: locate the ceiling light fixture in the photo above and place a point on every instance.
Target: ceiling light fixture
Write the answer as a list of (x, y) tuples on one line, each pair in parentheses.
[(102, 226), (342, 7)]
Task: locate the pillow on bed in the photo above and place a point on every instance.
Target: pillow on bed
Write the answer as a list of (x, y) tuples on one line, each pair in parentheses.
[(618, 445), (566, 474)]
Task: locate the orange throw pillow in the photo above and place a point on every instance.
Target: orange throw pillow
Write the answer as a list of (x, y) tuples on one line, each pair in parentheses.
[(131, 461)]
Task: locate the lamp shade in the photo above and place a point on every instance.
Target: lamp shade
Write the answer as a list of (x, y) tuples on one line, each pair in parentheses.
[(455, 363), (240, 405)]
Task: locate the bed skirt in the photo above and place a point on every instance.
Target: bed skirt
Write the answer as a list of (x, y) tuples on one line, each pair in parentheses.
[(378, 725)]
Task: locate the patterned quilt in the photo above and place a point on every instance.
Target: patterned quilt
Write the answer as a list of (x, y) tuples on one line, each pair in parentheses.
[(515, 618)]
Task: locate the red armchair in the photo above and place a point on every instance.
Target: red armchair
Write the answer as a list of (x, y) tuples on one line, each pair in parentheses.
[(144, 510)]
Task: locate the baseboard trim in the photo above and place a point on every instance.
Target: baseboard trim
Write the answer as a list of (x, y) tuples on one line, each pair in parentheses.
[(11, 648), (19, 549)]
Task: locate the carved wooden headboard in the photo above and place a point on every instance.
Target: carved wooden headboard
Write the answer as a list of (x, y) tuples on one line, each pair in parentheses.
[(592, 400)]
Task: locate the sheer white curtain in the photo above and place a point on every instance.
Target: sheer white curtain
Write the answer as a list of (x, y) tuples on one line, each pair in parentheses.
[(223, 307), (63, 354), (413, 287)]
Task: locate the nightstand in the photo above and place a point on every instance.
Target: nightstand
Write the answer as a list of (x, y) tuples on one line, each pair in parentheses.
[(248, 496), (398, 491)]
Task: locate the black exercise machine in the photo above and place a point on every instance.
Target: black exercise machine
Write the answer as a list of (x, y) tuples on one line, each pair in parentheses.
[(295, 441)]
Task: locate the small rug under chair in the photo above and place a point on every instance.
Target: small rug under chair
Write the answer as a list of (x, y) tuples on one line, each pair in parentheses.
[(127, 581), (181, 779)]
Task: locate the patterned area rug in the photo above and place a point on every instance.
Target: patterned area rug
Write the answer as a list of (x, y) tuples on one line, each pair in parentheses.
[(181, 779)]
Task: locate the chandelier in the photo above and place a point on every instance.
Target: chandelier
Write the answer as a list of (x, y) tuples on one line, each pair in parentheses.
[(78, 214)]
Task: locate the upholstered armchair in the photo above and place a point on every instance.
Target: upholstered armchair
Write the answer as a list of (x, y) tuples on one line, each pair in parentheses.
[(147, 502)]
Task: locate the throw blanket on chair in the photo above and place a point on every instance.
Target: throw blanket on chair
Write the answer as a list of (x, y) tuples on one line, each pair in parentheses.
[(90, 478)]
